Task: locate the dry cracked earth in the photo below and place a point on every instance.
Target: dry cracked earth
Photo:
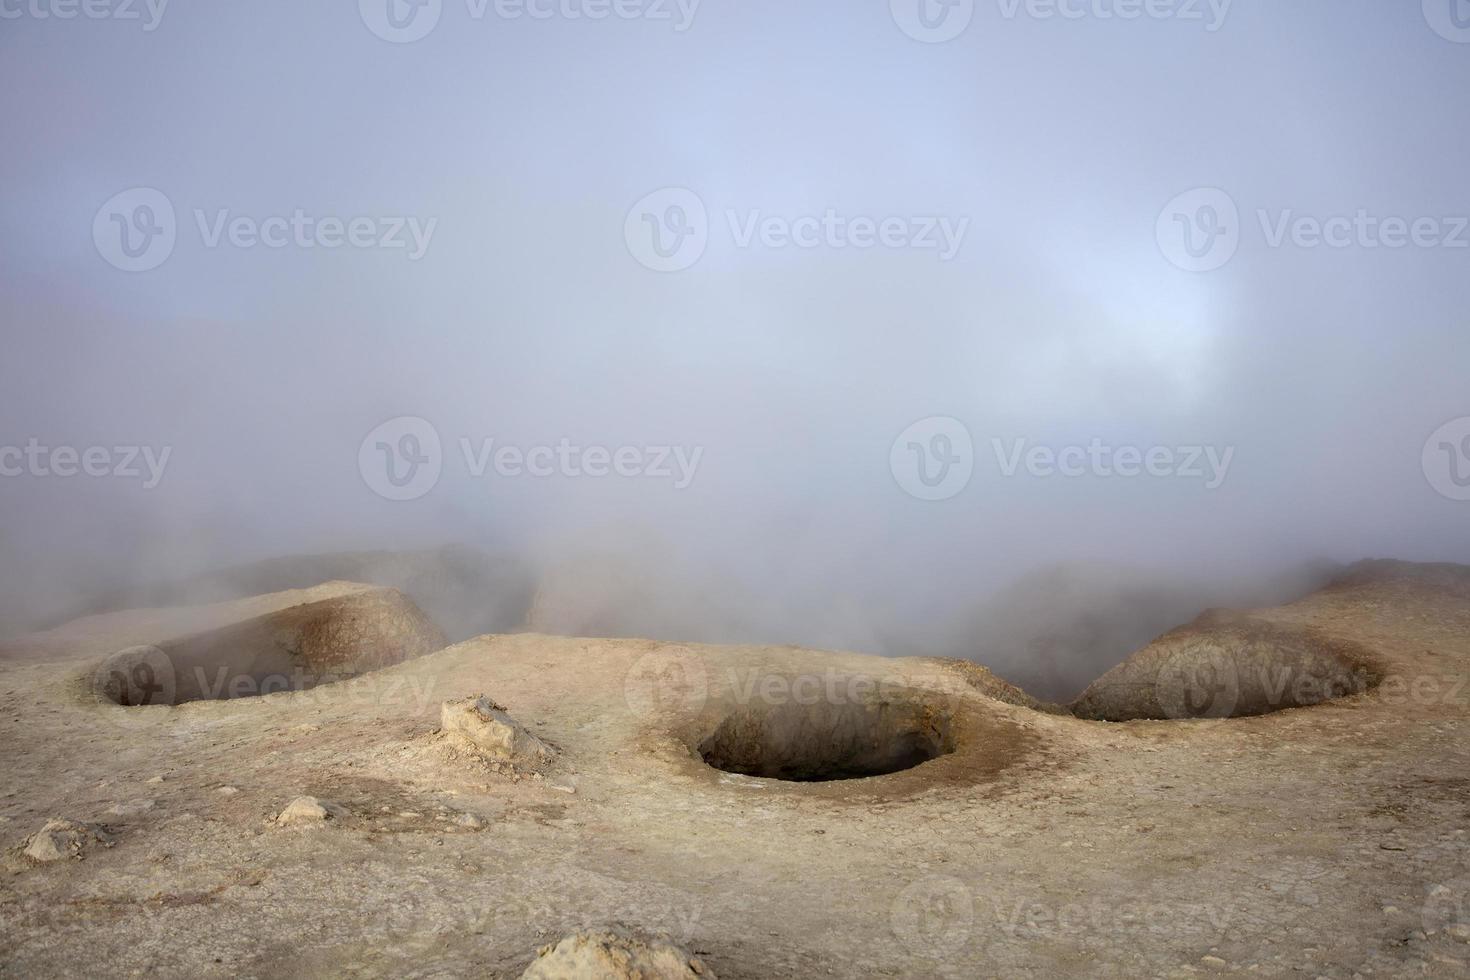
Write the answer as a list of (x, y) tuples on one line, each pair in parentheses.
[(275, 787)]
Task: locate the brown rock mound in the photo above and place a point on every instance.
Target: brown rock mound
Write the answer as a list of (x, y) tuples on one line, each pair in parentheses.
[(289, 649), (1226, 665)]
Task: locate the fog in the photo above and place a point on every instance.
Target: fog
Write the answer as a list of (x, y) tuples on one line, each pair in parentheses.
[(893, 231)]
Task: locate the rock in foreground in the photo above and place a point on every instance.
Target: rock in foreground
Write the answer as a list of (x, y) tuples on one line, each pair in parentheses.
[(492, 732), (61, 838), (614, 954)]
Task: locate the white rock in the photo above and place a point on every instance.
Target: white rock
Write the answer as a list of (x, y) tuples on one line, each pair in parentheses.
[(492, 732), (308, 810), (614, 954), (61, 838)]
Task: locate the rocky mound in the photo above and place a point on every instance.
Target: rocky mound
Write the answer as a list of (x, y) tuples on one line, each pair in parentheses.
[(1228, 665), (290, 649)]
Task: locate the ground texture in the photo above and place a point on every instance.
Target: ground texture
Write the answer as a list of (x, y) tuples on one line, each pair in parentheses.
[(1331, 840)]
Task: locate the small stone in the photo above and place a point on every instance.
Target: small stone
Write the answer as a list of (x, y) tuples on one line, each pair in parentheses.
[(1458, 931), (614, 954), (1213, 962), (60, 838), (308, 810), (469, 820), (228, 791), (155, 780), (493, 733)]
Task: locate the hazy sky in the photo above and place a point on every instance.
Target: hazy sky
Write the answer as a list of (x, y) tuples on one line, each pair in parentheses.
[(1053, 145)]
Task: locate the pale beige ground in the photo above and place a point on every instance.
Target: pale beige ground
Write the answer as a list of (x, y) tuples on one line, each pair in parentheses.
[(1316, 842)]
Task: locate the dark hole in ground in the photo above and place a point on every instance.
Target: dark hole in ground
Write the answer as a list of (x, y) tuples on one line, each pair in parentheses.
[(824, 742)]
